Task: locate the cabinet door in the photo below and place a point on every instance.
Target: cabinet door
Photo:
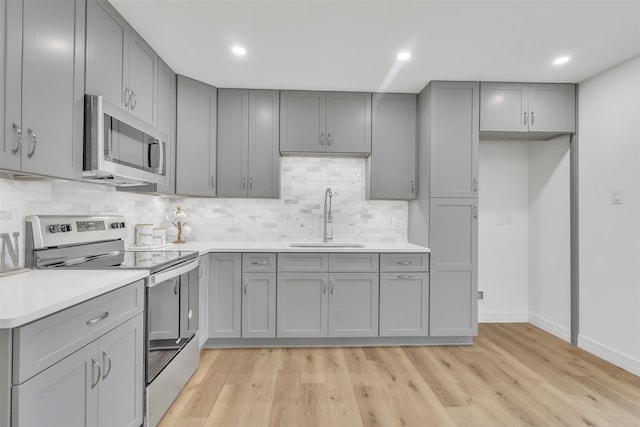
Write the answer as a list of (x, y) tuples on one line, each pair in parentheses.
[(302, 305), (302, 121), (454, 267), (203, 308), (348, 122), (196, 138), (121, 358), (392, 168), (143, 71), (503, 107), (454, 139), (353, 305), (11, 86), (233, 142), (107, 52), (53, 87), (224, 296), (264, 142), (259, 305), (167, 122), (66, 394), (404, 304), (552, 108)]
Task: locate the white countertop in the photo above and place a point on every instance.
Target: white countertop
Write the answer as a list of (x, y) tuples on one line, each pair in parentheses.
[(30, 296), (205, 247)]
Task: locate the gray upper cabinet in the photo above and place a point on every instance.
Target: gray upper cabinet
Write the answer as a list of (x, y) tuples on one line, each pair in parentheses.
[(392, 167), (453, 138), (520, 107), (454, 267), (325, 122), (248, 139), (167, 93), (120, 65), (44, 92), (225, 295), (196, 138)]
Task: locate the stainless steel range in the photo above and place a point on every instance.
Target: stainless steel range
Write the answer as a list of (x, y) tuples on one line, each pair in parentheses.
[(171, 304)]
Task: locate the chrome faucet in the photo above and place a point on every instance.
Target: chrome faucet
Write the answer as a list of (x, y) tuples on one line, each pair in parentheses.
[(328, 217)]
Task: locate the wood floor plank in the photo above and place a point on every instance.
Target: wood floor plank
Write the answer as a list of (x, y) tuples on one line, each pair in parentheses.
[(513, 375)]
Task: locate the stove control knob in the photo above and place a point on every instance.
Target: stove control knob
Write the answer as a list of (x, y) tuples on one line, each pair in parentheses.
[(115, 225), (65, 227), (54, 228), (122, 224)]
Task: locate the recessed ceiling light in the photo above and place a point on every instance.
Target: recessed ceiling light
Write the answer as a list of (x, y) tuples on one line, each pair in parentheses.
[(561, 60), (239, 50), (403, 56)]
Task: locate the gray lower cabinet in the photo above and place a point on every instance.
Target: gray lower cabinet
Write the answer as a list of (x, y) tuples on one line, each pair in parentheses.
[(404, 304), (453, 137), (100, 384), (203, 303), (392, 165), (325, 122), (353, 305), (248, 141), (196, 138), (225, 295), (527, 107), (120, 65), (258, 305), (44, 92), (454, 267), (302, 305)]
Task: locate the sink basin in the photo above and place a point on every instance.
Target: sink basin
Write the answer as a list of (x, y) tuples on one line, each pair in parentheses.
[(326, 245)]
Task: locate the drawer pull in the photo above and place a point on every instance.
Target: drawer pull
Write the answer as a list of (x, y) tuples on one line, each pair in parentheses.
[(94, 383), (99, 318), (106, 358), (258, 262), (404, 262), (404, 276)]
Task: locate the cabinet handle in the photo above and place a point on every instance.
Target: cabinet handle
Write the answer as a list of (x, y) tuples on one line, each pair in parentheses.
[(331, 283), (133, 101), (404, 262), (250, 183), (475, 185), (322, 138), (18, 131), (34, 137), (404, 276), (213, 183), (175, 287), (475, 211), (99, 318), (106, 358), (244, 284), (328, 139), (94, 383), (199, 272), (533, 117), (127, 97), (324, 286), (244, 183), (526, 118), (413, 187), (258, 262)]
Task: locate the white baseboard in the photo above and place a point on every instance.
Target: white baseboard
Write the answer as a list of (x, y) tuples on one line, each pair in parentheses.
[(609, 354), (502, 317), (551, 327)]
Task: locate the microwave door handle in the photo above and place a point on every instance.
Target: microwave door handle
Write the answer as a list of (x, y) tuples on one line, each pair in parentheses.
[(163, 156), (154, 154)]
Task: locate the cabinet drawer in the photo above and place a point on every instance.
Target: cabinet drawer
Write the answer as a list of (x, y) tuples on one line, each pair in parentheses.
[(404, 262), (40, 344), (359, 263), (259, 263), (297, 262)]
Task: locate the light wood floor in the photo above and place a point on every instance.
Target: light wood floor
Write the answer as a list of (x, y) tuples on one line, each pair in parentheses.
[(514, 374)]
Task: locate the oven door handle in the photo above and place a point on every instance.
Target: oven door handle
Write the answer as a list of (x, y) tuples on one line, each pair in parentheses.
[(160, 277)]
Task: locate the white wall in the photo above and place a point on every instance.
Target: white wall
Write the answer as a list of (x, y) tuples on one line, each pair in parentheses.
[(503, 231), (609, 120), (549, 237)]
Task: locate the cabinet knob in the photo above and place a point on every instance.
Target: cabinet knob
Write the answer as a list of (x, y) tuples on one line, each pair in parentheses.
[(106, 361), (127, 97), (34, 137), (475, 211), (404, 276), (18, 131), (94, 383), (213, 183), (533, 118), (475, 185), (133, 101), (329, 139), (526, 118), (413, 187), (244, 285), (322, 138)]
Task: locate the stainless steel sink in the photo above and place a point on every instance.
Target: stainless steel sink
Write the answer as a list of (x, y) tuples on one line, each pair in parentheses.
[(326, 245)]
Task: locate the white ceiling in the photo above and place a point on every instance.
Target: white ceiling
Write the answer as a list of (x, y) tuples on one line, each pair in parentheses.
[(352, 45)]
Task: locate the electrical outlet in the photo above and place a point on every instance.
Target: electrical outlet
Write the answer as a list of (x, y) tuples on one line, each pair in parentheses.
[(480, 295)]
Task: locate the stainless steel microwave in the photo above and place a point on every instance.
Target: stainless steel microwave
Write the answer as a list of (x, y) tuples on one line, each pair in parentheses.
[(119, 148)]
